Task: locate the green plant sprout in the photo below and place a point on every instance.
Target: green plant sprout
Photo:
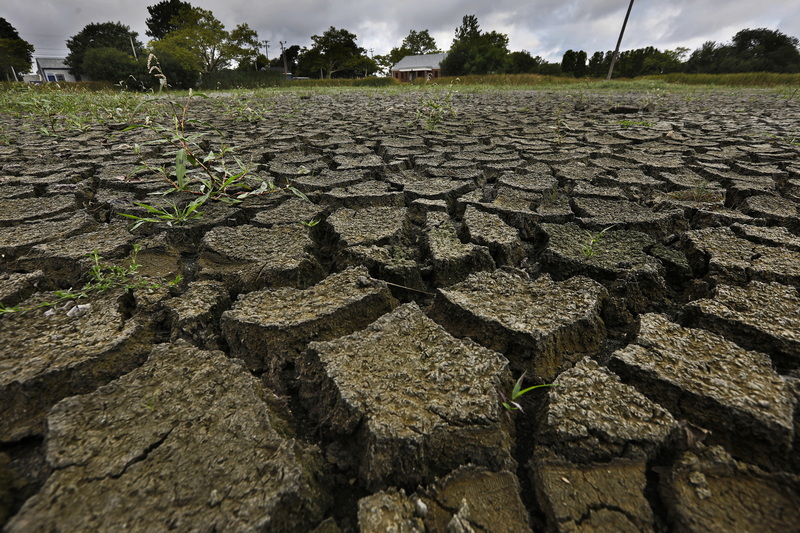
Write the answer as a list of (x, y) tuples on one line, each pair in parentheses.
[(434, 108), (171, 216), (589, 248), (517, 391), (103, 277), (310, 223), (198, 169)]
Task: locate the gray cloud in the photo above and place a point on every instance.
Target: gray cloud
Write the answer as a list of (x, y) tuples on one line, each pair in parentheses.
[(543, 27)]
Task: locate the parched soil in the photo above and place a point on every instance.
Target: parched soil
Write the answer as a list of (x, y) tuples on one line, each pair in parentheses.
[(638, 251)]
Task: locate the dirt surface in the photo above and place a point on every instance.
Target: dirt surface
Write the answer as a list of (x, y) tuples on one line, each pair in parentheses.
[(349, 373)]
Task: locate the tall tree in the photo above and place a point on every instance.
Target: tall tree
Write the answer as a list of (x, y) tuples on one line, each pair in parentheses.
[(180, 65), (242, 44), (16, 54), (165, 17), (419, 43), (756, 50), (475, 52), (204, 36), (523, 63), (109, 64), (335, 51), (766, 50), (101, 35), (574, 63), (599, 63), (469, 29)]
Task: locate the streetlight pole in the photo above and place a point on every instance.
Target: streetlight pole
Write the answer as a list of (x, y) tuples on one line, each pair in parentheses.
[(619, 41), (283, 53)]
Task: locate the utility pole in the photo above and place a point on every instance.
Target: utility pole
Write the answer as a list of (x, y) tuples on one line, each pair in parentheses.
[(266, 48), (283, 53), (132, 47), (619, 41)]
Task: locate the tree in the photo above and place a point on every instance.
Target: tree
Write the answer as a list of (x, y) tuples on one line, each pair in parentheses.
[(759, 50), (765, 50), (109, 64), (599, 64), (100, 35), (469, 29), (334, 51), (523, 63), (420, 43), (704, 59), (242, 44), (204, 36), (664, 62), (574, 63), (180, 65), (165, 17), (475, 52), (16, 54)]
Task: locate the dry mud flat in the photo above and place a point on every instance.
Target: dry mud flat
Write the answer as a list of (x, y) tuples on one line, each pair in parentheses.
[(640, 251)]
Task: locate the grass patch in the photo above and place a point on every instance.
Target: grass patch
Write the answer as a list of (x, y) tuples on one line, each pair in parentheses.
[(745, 79), (362, 82)]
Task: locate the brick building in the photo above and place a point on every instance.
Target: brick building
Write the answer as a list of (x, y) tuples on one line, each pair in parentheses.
[(424, 67)]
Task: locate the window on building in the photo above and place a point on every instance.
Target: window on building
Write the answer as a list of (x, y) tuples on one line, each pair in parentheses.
[(51, 77), (60, 77)]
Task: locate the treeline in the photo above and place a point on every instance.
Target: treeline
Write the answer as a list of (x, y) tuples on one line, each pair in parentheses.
[(751, 50), (190, 47)]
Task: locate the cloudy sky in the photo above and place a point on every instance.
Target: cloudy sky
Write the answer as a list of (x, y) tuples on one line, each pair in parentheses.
[(543, 27)]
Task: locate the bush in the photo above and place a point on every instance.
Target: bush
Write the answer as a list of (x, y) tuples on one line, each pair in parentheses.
[(374, 82), (108, 64)]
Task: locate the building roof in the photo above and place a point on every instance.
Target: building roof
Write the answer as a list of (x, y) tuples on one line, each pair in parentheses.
[(51, 63), (423, 62)]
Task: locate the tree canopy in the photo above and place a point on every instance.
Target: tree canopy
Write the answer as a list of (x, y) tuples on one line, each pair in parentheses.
[(758, 50), (474, 51), (205, 38), (335, 51), (101, 35), (16, 54), (164, 17)]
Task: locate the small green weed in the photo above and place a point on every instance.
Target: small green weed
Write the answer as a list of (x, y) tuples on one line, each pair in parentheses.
[(589, 250), (171, 216), (510, 404), (198, 169), (149, 403), (103, 277), (311, 223), (435, 106)]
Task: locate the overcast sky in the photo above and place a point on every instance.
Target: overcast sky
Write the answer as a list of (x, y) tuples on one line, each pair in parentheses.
[(545, 28)]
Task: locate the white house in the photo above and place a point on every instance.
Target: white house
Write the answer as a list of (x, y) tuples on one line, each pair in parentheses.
[(53, 69)]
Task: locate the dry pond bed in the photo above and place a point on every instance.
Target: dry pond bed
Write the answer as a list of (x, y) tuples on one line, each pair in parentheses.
[(349, 373)]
